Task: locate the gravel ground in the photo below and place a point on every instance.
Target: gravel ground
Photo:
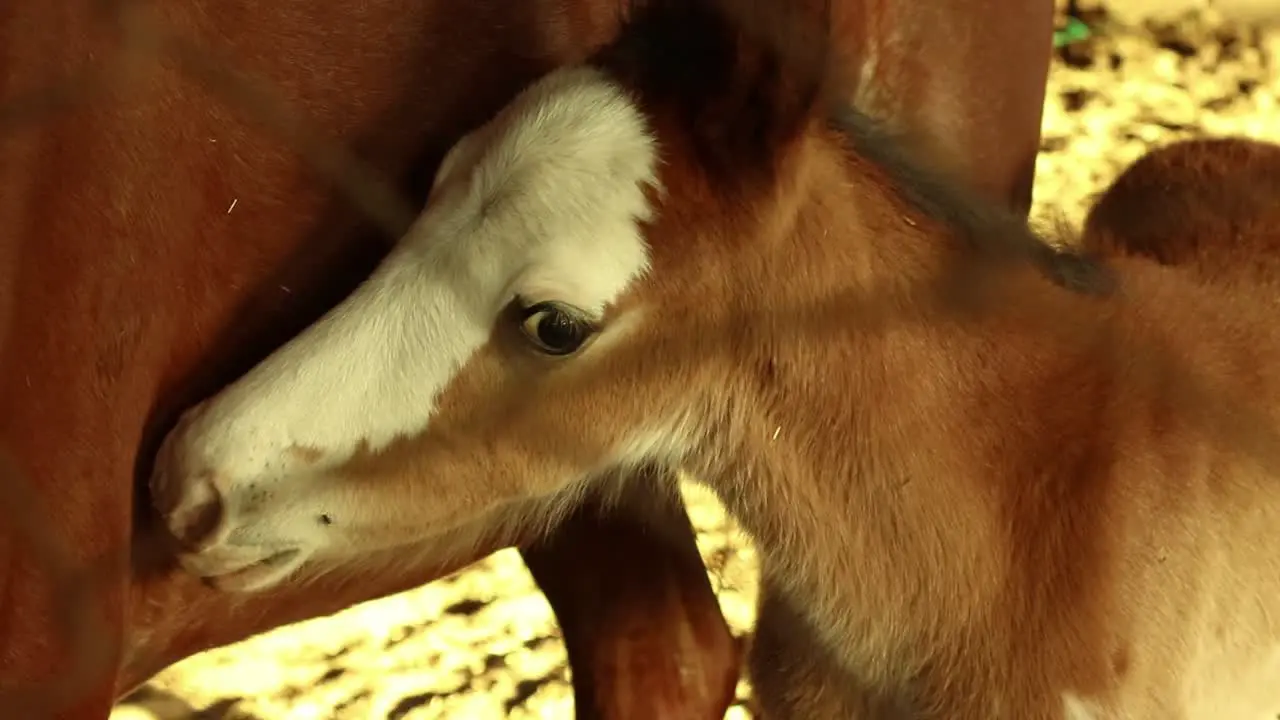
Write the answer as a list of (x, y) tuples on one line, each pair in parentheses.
[(483, 643)]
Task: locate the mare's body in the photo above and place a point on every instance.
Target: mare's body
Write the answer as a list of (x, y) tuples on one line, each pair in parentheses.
[(157, 241)]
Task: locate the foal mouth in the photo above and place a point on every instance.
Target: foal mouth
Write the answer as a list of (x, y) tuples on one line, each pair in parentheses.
[(265, 572)]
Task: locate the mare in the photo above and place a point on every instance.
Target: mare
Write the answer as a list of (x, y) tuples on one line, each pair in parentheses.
[(184, 186), (986, 478)]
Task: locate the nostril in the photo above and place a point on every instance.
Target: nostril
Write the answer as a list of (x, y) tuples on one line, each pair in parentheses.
[(199, 519), (189, 502)]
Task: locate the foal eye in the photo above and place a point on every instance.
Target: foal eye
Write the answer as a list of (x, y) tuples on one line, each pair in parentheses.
[(556, 329)]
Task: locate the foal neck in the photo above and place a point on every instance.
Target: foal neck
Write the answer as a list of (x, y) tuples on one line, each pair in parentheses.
[(871, 437)]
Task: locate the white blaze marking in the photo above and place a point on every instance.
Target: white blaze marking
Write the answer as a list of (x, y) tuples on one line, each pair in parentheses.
[(542, 202)]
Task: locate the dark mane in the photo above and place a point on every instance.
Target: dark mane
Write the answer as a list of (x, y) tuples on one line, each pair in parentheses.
[(743, 78), (989, 229)]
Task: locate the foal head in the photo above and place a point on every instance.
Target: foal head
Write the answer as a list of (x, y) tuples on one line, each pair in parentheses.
[(596, 283)]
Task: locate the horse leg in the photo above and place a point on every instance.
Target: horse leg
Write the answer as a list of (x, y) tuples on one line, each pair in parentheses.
[(965, 78), (643, 628)]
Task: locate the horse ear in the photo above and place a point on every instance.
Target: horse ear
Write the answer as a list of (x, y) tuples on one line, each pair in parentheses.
[(742, 77), (964, 79)]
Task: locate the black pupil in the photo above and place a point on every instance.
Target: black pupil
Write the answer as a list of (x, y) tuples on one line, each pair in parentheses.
[(558, 331)]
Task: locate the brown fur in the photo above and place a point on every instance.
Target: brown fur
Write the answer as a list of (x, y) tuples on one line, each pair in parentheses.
[(1212, 204), (1049, 497), (127, 289)]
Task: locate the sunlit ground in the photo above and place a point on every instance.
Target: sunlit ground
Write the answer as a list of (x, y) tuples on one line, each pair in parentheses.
[(484, 644)]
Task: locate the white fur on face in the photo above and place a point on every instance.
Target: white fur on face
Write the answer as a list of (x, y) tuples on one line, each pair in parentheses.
[(543, 203)]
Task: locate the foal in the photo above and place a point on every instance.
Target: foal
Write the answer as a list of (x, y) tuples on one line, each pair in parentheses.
[(1211, 204), (675, 256)]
